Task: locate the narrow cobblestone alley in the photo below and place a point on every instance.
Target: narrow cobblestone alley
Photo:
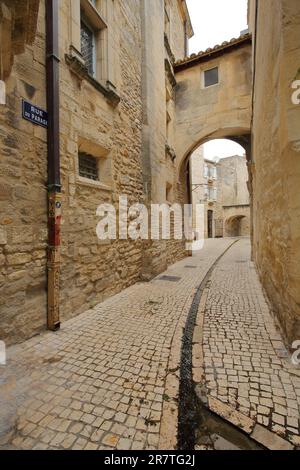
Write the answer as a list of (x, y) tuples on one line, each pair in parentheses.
[(110, 378), (248, 375)]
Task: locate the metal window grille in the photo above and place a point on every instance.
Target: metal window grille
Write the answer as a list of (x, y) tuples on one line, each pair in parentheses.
[(88, 166), (87, 47), (211, 77)]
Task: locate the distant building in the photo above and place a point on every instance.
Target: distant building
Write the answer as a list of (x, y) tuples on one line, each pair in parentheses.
[(221, 185)]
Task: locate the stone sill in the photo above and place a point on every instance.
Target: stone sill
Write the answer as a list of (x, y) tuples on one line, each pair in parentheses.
[(79, 69), (92, 184)]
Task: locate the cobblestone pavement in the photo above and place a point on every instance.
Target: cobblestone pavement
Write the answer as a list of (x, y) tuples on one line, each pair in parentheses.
[(246, 364), (100, 382)]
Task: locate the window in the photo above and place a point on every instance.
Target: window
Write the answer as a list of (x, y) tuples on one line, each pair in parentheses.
[(93, 35), (88, 51), (212, 194), (210, 172), (88, 166), (211, 77), (93, 165)]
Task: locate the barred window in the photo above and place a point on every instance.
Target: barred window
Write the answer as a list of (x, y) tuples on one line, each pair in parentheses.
[(88, 166), (88, 47)]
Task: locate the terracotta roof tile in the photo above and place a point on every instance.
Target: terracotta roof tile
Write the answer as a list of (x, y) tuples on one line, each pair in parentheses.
[(212, 50)]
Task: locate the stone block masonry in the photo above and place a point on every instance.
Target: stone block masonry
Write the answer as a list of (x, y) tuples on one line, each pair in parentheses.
[(103, 116)]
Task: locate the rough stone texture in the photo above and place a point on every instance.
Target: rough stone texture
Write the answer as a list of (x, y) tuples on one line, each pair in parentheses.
[(92, 270), (129, 140), (242, 348), (270, 441), (18, 22), (23, 198), (104, 379), (276, 163)]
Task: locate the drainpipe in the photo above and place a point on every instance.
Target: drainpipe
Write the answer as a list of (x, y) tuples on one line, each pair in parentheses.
[(54, 183)]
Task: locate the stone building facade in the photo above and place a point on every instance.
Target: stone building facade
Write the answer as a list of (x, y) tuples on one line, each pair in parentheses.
[(133, 108), (116, 138), (221, 185), (233, 187), (275, 164)]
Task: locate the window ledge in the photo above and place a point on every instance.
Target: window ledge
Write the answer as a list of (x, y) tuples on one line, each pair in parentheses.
[(78, 67), (92, 14), (92, 184)]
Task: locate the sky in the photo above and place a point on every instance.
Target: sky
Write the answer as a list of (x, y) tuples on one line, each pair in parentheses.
[(216, 21)]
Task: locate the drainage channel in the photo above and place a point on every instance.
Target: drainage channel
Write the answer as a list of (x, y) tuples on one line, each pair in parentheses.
[(198, 427)]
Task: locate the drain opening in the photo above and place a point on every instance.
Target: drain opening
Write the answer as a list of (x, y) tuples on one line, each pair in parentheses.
[(169, 278)]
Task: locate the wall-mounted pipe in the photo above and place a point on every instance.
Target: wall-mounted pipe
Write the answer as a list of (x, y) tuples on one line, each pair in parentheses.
[(54, 182)]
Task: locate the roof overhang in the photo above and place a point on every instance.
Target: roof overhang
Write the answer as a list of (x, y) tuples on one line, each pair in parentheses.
[(186, 17), (212, 53)]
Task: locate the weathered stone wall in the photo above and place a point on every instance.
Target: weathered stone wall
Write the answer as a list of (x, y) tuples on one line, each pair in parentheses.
[(177, 38), (236, 220), (233, 188), (18, 21), (23, 198), (159, 168), (219, 111), (276, 158), (233, 176), (91, 270), (129, 141)]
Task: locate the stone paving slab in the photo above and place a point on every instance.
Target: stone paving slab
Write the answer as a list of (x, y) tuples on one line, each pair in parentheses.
[(245, 365), (109, 378)]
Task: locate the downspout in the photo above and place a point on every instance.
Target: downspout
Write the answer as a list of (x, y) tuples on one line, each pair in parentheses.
[(54, 183), (251, 162)]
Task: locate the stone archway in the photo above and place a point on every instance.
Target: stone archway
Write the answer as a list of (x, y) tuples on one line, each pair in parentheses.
[(221, 111), (236, 226)]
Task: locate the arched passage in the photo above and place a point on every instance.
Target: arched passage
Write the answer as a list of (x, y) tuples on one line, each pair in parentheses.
[(221, 111), (236, 226), (205, 112)]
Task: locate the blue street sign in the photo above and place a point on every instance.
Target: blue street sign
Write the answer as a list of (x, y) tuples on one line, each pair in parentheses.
[(34, 114)]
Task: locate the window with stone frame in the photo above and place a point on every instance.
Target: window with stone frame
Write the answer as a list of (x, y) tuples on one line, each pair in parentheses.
[(88, 166), (88, 47), (92, 27)]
